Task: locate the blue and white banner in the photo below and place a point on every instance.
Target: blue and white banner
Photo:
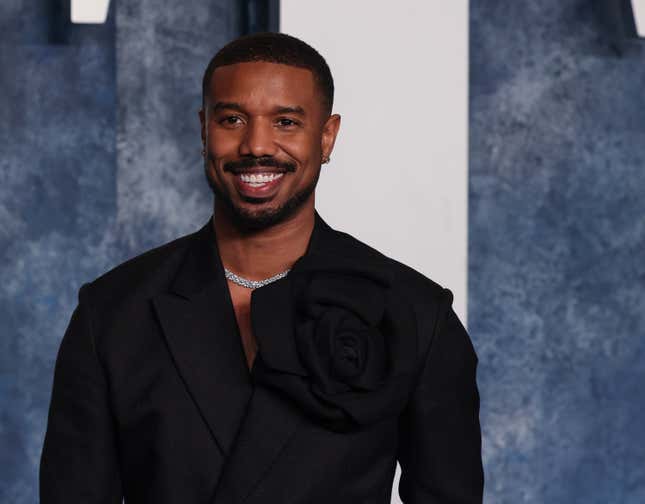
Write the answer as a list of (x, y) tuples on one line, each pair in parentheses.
[(495, 146)]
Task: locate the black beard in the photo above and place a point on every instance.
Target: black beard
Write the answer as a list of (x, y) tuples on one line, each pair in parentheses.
[(248, 221)]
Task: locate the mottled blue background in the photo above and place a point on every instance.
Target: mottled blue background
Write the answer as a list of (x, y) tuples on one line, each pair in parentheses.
[(557, 253), (100, 160)]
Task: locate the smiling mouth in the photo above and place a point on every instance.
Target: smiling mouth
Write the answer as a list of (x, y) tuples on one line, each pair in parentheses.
[(256, 185), (257, 180)]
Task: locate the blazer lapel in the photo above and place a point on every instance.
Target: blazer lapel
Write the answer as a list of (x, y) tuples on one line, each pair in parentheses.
[(250, 424), (199, 324)]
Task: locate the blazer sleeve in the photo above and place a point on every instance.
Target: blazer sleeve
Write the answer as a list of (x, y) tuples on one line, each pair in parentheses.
[(79, 457), (439, 432)]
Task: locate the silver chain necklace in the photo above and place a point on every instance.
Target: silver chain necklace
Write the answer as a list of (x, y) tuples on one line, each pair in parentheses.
[(253, 284)]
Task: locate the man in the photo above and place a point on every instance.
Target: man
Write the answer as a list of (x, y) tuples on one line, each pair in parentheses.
[(265, 358)]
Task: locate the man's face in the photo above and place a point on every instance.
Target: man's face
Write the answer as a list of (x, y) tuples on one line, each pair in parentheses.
[(265, 131)]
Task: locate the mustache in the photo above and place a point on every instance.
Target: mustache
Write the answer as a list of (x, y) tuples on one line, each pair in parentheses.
[(240, 165)]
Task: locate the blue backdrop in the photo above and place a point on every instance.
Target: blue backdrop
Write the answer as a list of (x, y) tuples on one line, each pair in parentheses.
[(100, 144), (101, 160), (557, 246)]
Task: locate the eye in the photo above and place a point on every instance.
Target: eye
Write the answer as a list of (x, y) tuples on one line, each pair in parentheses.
[(230, 120), (285, 122)]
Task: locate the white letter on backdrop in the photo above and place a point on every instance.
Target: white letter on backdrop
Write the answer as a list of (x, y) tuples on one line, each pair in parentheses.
[(638, 6), (90, 11)]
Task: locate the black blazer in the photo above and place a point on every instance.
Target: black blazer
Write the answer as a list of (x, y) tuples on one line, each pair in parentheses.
[(361, 362)]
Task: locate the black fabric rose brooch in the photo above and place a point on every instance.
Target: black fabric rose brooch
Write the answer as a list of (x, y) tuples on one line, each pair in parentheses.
[(335, 338)]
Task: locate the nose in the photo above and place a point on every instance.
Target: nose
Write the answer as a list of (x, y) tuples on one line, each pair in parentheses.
[(258, 139)]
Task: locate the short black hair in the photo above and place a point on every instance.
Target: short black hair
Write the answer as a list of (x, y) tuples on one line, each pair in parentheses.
[(274, 48)]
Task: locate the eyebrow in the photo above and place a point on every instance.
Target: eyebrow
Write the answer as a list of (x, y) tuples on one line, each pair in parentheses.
[(291, 110), (295, 109), (226, 105)]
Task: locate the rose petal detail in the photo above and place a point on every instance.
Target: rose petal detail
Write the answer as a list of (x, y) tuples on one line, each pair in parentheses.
[(337, 340)]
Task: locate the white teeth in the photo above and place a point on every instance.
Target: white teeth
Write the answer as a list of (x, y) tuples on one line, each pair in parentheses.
[(260, 178)]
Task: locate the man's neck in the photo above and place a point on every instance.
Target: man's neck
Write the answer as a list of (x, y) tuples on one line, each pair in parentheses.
[(264, 253)]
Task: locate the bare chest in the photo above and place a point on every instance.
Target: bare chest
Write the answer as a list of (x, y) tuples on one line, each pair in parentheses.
[(241, 298)]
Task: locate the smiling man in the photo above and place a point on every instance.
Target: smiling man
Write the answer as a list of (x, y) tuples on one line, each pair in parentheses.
[(265, 358)]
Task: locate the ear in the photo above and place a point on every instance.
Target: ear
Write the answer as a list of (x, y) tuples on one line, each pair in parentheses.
[(202, 120), (329, 133)]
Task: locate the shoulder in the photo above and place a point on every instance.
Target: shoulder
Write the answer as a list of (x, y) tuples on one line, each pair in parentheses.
[(404, 278), (144, 275), (430, 302)]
